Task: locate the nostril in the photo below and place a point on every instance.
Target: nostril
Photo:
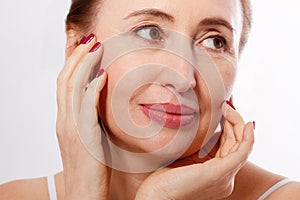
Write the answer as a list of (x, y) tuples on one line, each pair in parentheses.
[(178, 81), (179, 86)]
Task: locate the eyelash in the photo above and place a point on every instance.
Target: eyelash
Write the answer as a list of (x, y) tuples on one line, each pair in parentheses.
[(224, 49), (151, 42)]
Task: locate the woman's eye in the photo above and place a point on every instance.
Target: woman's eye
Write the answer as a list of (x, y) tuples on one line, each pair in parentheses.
[(149, 33), (214, 43)]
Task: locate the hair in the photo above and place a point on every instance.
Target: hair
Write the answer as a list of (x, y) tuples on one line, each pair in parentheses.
[(82, 13), (247, 23)]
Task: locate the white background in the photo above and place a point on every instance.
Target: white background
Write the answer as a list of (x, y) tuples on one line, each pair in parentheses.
[(32, 53)]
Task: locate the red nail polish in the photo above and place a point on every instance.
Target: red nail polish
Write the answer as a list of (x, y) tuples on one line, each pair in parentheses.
[(100, 73), (82, 40), (88, 39), (253, 124), (230, 104), (95, 47)]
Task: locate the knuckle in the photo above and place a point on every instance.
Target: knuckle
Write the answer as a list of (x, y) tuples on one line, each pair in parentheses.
[(77, 51), (65, 130), (61, 79), (60, 129), (228, 189), (69, 87), (245, 156), (63, 82)]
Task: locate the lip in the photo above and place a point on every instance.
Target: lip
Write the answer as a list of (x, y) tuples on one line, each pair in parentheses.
[(169, 115)]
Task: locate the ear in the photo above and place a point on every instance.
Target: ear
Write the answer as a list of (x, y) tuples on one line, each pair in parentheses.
[(73, 38)]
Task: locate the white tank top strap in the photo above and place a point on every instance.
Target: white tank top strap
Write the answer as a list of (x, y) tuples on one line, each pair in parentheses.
[(51, 187), (274, 188)]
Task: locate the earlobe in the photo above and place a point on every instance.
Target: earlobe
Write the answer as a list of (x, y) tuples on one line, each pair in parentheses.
[(73, 38)]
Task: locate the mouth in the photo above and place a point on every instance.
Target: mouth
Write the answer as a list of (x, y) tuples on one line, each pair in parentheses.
[(169, 115)]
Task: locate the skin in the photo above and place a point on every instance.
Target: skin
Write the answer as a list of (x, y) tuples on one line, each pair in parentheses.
[(223, 174), (229, 11)]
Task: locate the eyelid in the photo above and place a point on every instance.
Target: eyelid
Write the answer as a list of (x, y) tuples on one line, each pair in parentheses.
[(211, 33), (137, 28), (217, 37), (227, 49)]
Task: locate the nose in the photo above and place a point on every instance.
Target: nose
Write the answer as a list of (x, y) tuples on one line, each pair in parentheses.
[(181, 75)]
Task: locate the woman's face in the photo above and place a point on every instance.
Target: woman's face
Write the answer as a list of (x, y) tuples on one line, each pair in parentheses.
[(211, 26)]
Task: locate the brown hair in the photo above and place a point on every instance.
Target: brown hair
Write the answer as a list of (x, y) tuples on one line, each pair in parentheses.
[(82, 13)]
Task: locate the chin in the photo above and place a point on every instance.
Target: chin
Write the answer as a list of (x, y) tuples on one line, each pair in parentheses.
[(168, 143), (164, 129)]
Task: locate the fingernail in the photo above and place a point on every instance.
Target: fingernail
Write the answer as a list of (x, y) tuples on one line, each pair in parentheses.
[(230, 104), (82, 40), (100, 73), (88, 39), (253, 123), (95, 47)]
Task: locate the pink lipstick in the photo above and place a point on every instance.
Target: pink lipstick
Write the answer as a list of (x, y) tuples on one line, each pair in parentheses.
[(169, 115)]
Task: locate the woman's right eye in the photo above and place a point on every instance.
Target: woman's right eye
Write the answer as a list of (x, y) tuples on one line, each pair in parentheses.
[(151, 33)]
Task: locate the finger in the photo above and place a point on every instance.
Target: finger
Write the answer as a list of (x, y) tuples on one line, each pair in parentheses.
[(73, 61), (89, 111), (235, 160), (82, 74), (229, 140), (231, 114), (222, 139), (244, 149), (63, 81), (216, 170), (87, 67), (76, 56), (235, 119), (88, 126)]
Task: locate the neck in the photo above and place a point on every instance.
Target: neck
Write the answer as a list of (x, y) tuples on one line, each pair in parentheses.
[(125, 185)]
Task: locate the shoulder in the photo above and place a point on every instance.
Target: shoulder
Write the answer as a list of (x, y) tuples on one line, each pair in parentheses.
[(31, 189), (289, 191), (252, 182), (25, 189)]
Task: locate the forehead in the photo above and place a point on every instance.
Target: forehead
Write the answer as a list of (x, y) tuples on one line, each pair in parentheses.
[(187, 12)]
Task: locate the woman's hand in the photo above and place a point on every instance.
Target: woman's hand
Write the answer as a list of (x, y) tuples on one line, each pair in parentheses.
[(77, 123), (189, 178)]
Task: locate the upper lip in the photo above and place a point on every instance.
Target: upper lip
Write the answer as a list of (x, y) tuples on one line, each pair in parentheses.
[(171, 108)]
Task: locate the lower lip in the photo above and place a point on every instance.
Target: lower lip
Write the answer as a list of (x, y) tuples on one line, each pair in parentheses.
[(168, 120)]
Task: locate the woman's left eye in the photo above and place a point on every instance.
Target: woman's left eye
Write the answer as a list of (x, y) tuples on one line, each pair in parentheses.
[(214, 43), (150, 33)]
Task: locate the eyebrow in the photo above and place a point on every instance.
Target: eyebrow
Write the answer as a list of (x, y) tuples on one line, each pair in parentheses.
[(216, 21), (151, 12), (211, 21)]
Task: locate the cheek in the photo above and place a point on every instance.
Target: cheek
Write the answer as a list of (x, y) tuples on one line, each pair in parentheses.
[(228, 76), (227, 69), (208, 90), (113, 121)]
